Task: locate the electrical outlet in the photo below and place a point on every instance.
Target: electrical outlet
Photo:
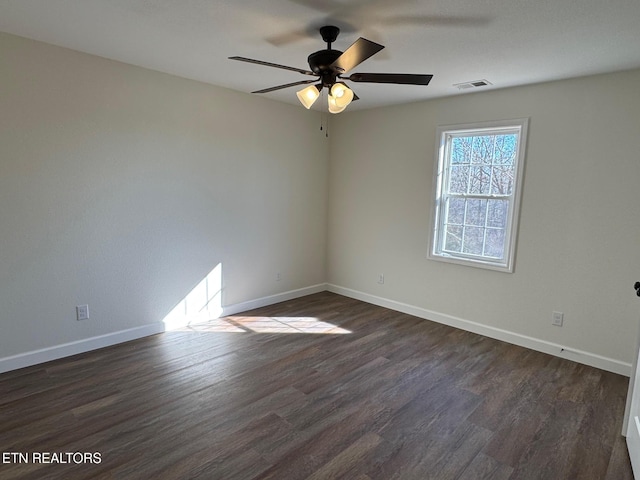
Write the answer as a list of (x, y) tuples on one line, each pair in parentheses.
[(381, 278), (278, 277), (557, 318), (82, 312)]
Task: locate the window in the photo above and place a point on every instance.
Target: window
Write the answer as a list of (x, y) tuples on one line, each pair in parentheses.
[(477, 193)]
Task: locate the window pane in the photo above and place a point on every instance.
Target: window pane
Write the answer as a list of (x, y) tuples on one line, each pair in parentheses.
[(473, 240), (497, 213), (506, 148), (465, 146), (476, 212), (476, 152), (484, 150), (455, 211), (494, 246), (480, 181), (459, 179), (453, 238), (459, 151), (502, 180)]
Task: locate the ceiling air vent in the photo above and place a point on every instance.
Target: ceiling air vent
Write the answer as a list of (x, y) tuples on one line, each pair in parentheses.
[(473, 84)]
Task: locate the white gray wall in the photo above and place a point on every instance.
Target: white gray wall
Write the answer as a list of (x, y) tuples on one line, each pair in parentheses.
[(579, 241), (121, 188)]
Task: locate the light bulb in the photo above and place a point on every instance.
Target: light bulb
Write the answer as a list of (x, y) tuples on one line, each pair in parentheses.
[(343, 95)]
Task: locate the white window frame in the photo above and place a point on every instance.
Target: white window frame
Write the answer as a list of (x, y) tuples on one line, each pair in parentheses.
[(445, 134)]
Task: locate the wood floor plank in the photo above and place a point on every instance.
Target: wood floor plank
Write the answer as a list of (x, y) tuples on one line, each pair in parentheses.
[(397, 397), (550, 454), (484, 467), (345, 463)]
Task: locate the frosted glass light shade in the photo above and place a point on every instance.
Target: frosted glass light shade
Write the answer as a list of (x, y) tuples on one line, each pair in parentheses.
[(333, 105), (342, 94), (308, 95)]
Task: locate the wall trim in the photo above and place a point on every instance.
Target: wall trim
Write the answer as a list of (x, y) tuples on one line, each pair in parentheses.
[(579, 356), (56, 352), (271, 299), (35, 357)]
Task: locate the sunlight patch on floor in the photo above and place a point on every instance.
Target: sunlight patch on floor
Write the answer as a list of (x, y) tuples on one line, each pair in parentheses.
[(239, 324)]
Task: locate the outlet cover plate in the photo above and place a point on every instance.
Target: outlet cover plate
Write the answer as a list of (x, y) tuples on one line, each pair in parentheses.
[(82, 312), (557, 319)]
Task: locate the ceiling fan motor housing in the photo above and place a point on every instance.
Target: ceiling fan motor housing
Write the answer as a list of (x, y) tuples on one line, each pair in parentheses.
[(320, 64)]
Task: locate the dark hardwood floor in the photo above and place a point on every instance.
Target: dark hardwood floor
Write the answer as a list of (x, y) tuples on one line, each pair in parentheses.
[(259, 396)]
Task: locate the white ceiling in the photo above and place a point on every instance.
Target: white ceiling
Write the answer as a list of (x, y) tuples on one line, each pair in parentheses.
[(508, 42)]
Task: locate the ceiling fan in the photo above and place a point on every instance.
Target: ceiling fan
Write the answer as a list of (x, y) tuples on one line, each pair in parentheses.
[(329, 65)]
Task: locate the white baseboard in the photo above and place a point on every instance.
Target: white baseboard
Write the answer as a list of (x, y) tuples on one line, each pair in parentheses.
[(80, 346), (271, 299), (580, 356), (60, 351)]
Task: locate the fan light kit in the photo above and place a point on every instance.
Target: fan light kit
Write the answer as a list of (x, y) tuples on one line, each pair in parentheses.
[(328, 66)]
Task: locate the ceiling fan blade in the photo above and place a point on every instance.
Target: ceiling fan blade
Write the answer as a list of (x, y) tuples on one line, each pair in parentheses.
[(279, 87), (402, 78), (275, 65), (357, 53)]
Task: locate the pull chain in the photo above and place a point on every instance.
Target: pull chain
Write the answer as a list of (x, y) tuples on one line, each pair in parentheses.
[(324, 117), (321, 113)]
